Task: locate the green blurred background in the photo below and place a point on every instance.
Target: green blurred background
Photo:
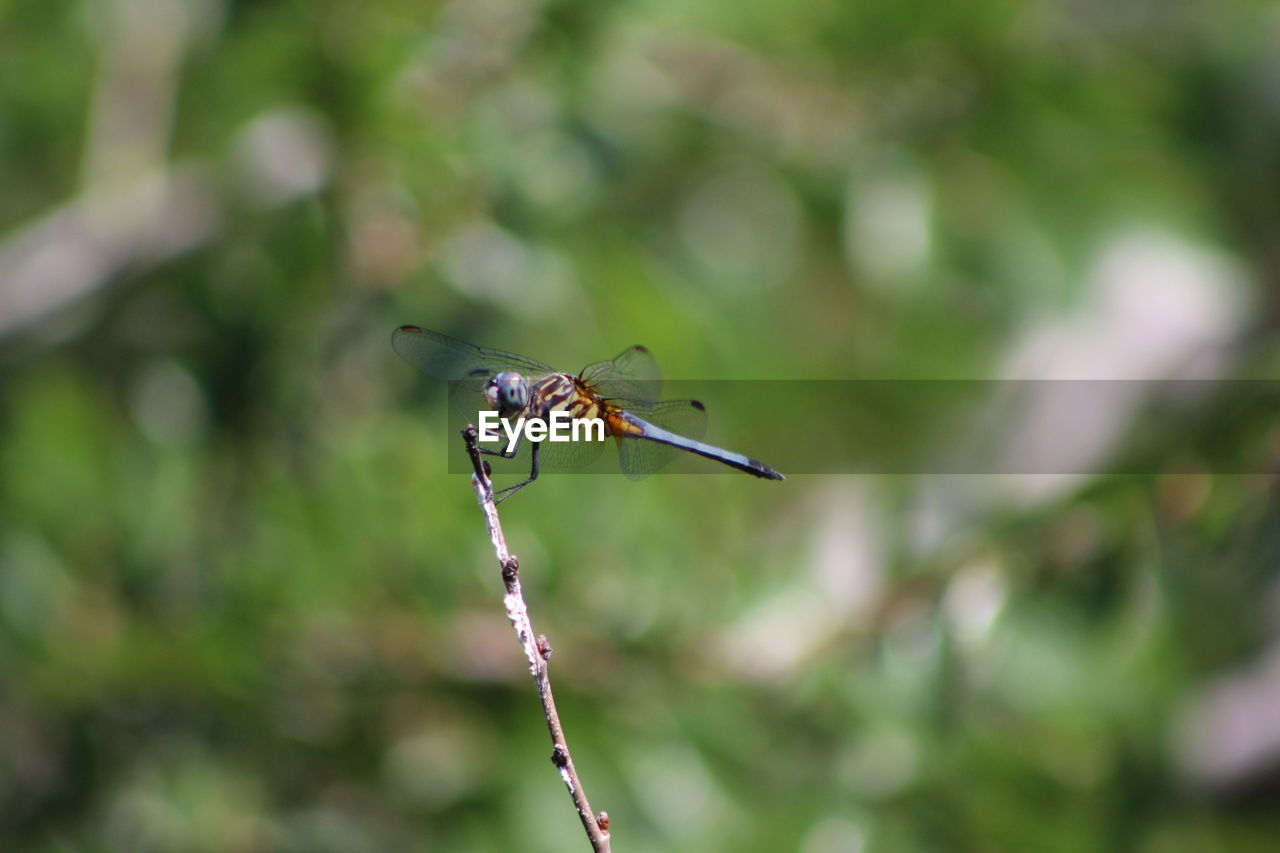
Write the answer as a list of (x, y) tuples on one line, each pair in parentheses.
[(245, 607)]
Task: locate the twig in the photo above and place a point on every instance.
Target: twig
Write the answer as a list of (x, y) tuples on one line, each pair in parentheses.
[(536, 649)]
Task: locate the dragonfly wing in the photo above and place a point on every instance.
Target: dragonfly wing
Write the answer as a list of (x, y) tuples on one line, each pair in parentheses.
[(632, 376), (570, 454), (640, 458), (683, 417), (458, 362), (552, 455)]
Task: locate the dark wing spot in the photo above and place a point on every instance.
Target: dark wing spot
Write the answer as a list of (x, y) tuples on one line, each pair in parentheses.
[(479, 371), (698, 405), (640, 348), (417, 330)]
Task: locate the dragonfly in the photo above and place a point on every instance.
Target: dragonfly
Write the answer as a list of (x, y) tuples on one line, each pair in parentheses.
[(622, 392)]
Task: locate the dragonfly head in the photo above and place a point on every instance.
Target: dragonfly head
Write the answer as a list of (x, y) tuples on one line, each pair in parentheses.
[(507, 392)]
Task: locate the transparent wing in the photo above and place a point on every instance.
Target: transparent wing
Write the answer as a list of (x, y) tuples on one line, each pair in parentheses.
[(458, 362), (552, 455), (632, 376), (686, 418), (571, 454)]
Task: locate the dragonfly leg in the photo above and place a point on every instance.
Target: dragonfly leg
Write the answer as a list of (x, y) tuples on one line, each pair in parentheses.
[(504, 454), (502, 494)]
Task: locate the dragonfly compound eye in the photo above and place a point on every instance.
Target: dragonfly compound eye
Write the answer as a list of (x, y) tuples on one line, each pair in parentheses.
[(508, 391)]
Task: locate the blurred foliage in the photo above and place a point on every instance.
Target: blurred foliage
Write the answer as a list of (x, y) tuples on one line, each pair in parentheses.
[(245, 607)]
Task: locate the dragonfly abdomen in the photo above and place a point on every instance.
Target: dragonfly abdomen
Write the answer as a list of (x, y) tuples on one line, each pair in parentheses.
[(645, 430)]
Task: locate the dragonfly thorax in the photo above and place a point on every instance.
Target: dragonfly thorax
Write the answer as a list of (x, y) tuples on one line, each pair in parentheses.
[(508, 393)]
